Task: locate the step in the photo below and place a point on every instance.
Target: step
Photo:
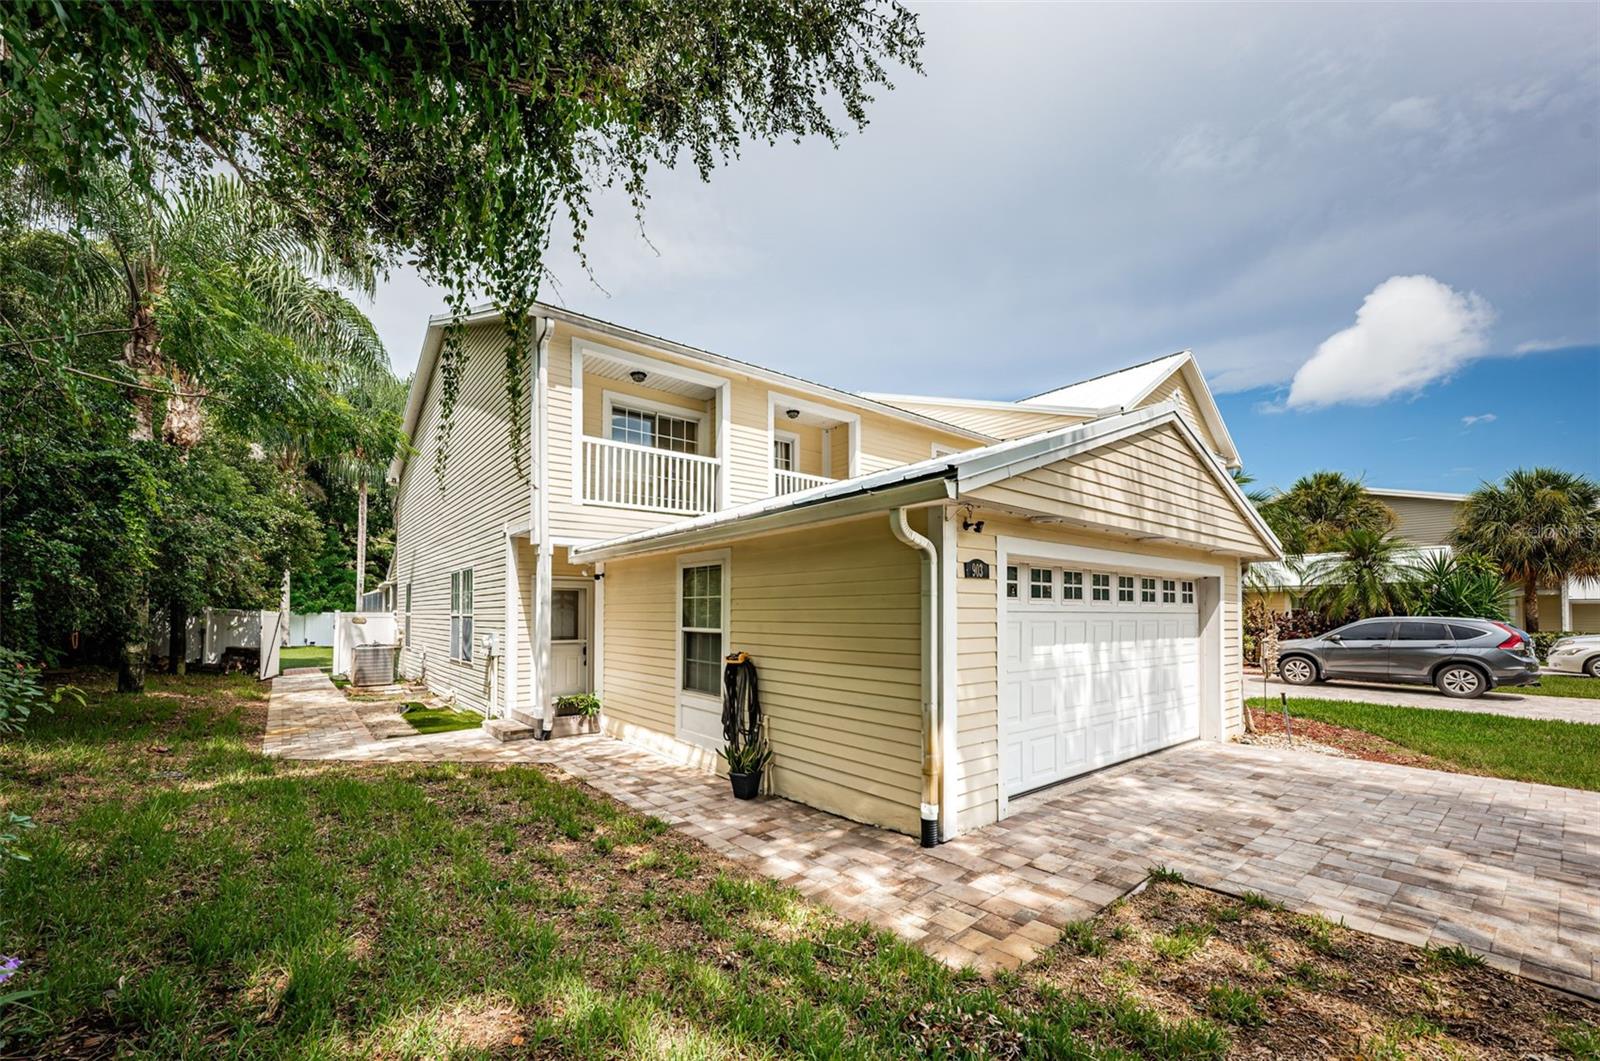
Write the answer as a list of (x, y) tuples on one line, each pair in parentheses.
[(509, 729)]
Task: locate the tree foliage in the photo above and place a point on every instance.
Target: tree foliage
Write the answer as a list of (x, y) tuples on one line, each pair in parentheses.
[(447, 133), (1540, 526), (1366, 573), (1320, 509)]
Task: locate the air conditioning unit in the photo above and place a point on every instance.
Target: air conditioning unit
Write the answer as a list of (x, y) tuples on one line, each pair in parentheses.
[(372, 665)]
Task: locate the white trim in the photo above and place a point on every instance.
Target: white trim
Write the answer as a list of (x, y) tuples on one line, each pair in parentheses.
[(949, 681), (575, 428), (939, 449), (683, 696), (597, 657), (585, 587), (512, 649), (610, 399), (794, 455), (1417, 495), (1213, 708)]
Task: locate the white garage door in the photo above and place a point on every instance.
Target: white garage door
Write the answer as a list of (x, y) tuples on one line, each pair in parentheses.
[(1097, 667)]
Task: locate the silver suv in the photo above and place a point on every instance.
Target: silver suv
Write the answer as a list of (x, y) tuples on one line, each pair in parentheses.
[(1460, 657)]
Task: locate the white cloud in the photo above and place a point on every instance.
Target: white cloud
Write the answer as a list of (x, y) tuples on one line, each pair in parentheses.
[(1539, 346), (1409, 332), (1413, 113), (1480, 418)]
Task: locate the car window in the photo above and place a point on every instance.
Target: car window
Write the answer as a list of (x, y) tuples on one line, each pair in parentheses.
[(1414, 631), (1467, 633), (1377, 630)]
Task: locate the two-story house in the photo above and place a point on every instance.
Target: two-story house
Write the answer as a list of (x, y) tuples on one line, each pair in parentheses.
[(949, 602)]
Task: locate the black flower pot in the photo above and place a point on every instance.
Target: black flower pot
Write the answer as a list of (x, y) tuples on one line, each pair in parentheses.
[(746, 786)]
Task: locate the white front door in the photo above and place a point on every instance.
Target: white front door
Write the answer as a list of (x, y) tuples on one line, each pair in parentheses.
[(1098, 666), (569, 641)]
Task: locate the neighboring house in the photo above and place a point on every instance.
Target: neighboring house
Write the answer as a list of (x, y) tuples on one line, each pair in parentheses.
[(944, 611), (1425, 520)]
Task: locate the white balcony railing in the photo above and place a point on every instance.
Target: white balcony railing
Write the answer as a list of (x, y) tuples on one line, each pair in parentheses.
[(622, 473), (784, 482)]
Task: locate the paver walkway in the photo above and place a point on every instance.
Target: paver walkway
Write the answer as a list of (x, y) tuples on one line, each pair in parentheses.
[(1518, 705), (1508, 869)]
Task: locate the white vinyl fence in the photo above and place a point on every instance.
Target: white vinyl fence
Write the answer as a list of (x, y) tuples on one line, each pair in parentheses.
[(313, 629), (214, 631), (353, 630)]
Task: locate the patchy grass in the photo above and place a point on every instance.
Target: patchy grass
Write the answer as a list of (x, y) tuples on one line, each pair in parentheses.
[(1522, 749), (306, 656), (188, 897), (439, 719)]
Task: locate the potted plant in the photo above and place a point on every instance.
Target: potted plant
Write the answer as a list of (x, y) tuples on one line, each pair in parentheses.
[(577, 713), (745, 766)]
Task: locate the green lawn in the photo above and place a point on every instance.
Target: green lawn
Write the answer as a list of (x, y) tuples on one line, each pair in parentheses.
[(1523, 749), (306, 656), (1560, 685), (440, 719), (187, 897)]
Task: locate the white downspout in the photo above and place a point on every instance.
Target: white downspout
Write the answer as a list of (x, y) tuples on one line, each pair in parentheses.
[(932, 739), (542, 707)]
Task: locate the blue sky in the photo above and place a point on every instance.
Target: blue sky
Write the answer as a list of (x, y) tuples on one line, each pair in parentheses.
[(1368, 222)]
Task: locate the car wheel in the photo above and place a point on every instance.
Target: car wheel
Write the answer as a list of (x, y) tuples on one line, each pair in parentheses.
[(1461, 681), (1593, 667), (1297, 670)]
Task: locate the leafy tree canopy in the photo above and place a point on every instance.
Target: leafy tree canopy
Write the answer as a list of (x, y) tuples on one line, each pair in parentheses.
[(1314, 514), (1540, 526), (445, 132)]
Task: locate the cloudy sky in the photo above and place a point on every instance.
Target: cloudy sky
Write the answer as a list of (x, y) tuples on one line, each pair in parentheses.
[(1378, 228)]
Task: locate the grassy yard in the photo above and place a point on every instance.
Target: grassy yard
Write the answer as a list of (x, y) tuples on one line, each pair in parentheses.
[(1574, 685), (1523, 749), (306, 656), (188, 897), (440, 719)]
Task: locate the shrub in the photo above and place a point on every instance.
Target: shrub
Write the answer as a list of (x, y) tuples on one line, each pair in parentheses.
[(1291, 626), (1545, 638), (585, 704)]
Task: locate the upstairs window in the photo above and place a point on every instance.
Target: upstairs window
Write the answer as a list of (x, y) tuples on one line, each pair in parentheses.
[(643, 427)]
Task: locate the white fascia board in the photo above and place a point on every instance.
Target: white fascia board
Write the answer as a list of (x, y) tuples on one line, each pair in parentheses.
[(1419, 495), (735, 524), (1184, 362), (421, 379)]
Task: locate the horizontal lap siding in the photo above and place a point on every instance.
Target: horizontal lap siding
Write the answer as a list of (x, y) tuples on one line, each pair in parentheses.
[(996, 423), (1423, 521), (437, 533), (1149, 484), (831, 618), (1176, 388)]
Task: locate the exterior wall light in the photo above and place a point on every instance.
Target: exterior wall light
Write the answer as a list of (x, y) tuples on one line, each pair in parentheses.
[(638, 375)]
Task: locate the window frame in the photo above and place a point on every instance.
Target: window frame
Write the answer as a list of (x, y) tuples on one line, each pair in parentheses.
[(462, 590), (1169, 591), (1071, 585), (1147, 589), (614, 400), (407, 627), (790, 439), (1048, 583), (1013, 582), (1099, 582), (715, 558), (1186, 591), (1127, 584)]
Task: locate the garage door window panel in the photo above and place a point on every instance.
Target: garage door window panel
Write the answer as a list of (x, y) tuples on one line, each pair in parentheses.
[(1041, 584)]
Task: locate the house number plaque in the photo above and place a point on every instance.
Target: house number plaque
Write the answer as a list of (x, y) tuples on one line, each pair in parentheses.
[(975, 569)]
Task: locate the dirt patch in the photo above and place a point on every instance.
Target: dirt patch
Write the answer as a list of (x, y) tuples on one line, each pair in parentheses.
[(1309, 735), (1288, 985)]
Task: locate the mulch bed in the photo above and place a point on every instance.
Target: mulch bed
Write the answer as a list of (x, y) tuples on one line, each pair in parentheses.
[(1355, 743)]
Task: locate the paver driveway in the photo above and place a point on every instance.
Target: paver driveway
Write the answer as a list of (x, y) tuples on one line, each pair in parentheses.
[(1508, 869)]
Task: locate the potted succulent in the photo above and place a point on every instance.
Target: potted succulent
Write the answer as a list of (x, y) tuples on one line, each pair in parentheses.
[(746, 764)]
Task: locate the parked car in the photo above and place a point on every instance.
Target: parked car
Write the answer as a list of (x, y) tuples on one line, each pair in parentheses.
[(1576, 655), (1460, 657)]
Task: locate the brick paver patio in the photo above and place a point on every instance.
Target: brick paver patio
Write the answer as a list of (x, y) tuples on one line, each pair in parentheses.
[(1507, 869)]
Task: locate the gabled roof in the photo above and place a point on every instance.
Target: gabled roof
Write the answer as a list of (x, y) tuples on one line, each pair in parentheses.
[(1122, 388), (941, 478), (433, 340)]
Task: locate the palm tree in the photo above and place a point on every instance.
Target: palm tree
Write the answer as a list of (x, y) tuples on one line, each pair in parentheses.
[(377, 400), (1320, 508), (1242, 479), (226, 310), (1365, 574), (1540, 526)]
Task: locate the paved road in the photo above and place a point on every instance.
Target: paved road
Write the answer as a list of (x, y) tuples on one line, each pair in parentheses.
[(1518, 705)]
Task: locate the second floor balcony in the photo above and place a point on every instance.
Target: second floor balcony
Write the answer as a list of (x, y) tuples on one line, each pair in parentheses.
[(646, 477)]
